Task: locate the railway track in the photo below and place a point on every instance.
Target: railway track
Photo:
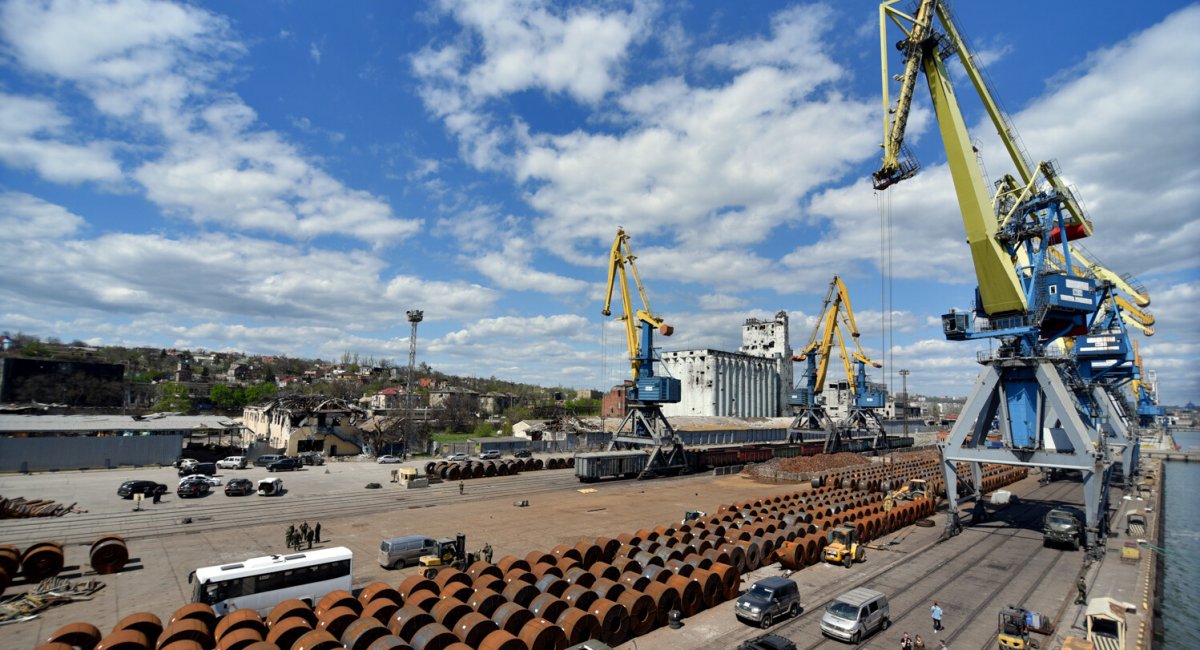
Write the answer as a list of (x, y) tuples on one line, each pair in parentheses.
[(973, 551)]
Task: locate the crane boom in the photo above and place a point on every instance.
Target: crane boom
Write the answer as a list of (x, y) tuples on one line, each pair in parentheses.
[(640, 351)]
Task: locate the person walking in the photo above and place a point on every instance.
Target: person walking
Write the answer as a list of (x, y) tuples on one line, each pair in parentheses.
[(317, 532), (309, 537), (157, 496), (906, 642), (289, 535), (936, 613), (918, 643), (460, 487), (1081, 591)]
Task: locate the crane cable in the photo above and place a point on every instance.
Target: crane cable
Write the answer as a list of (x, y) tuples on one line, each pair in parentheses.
[(883, 201)]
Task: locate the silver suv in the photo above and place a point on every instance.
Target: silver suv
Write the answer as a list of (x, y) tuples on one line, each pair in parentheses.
[(768, 600), (491, 454)]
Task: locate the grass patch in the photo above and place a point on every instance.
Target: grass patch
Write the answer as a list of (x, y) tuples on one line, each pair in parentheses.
[(451, 437)]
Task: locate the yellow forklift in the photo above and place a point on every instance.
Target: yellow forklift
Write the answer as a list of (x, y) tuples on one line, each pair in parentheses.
[(843, 547), (1016, 625), (451, 554)]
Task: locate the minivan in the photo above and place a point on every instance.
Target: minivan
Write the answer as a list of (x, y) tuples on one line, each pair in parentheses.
[(399, 552), (856, 614), (266, 459), (768, 600), (232, 462)]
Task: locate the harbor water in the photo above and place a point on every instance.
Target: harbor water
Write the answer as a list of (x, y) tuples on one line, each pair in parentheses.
[(1181, 539)]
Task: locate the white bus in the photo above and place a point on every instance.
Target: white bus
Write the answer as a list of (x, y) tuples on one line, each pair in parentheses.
[(261, 583)]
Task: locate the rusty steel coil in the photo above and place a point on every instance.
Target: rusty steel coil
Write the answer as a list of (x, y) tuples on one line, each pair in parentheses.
[(489, 582), (186, 629), (535, 558), (665, 599), (456, 590), (537, 464), (562, 550), (124, 640), (519, 575), (717, 556), (647, 560), (729, 577), (381, 609), (548, 606), (78, 635), (736, 556), (485, 601), (521, 593), (589, 553), (579, 597), (679, 567), (657, 573), (608, 548), (183, 644), (433, 637), (240, 639), (564, 564), (53, 646), (627, 564), (144, 622), (627, 551), (641, 611), (753, 554), (790, 555), (449, 576), (337, 598), (415, 583), (262, 645), (240, 619), (291, 608), (377, 590), (500, 640), (712, 589), (360, 634), (477, 470), (647, 535), (198, 612), (317, 640), (454, 472), (335, 620), (614, 620), (610, 589), (690, 598), (603, 569), (698, 561), (41, 561), (633, 580), (288, 631), (579, 625), (473, 628), (552, 584), (407, 620), (511, 617), (541, 634), (628, 539), (108, 554), (510, 562), (650, 546), (423, 599), (481, 568), (579, 576), (448, 611)]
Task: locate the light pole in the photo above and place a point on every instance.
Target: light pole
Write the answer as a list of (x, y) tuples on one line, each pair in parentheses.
[(414, 316), (904, 378)]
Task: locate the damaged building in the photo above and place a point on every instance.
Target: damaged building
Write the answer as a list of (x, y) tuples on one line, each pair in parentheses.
[(303, 423)]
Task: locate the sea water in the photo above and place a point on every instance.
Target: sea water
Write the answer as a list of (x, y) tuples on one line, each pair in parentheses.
[(1181, 539)]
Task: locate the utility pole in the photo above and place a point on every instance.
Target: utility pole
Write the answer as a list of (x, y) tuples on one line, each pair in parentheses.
[(904, 378), (414, 316)]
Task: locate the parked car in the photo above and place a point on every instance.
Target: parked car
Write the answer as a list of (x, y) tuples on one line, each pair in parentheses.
[(767, 642), (523, 453), (180, 462), (311, 457), (769, 600), (266, 459), (232, 462), (490, 454), (192, 488), (211, 480), (239, 487), (856, 614), (147, 488), (458, 456), (270, 487), (199, 468), (285, 465), (389, 459)]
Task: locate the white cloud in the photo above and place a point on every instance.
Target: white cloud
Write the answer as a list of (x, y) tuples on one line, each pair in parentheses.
[(31, 133), (314, 52), (512, 268), (157, 65), (25, 217)]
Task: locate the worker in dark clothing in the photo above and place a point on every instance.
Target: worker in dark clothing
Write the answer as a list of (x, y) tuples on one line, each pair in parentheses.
[(309, 537), (487, 553), (460, 487), (157, 496), (289, 537), (317, 532), (1081, 587)]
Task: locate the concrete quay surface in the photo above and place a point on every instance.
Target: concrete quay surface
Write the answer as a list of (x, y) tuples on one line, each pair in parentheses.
[(995, 563)]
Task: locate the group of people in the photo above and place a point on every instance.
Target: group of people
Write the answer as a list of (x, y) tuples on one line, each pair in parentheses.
[(917, 643), (296, 537)]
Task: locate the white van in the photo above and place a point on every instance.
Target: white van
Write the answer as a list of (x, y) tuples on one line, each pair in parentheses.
[(232, 462), (855, 614), (399, 552)]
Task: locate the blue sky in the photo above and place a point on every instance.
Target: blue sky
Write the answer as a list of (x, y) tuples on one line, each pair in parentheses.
[(291, 177)]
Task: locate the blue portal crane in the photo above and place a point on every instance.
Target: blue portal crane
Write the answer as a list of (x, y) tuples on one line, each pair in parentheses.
[(1033, 289), (644, 426)]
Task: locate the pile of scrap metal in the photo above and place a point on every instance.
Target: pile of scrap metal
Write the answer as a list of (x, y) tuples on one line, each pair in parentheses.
[(21, 507), (48, 593)]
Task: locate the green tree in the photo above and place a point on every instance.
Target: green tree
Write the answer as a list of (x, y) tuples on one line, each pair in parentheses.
[(172, 397)]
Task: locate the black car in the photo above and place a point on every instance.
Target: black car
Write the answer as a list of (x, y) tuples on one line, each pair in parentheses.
[(239, 487), (767, 642), (147, 488), (285, 465), (208, 469), (193, 488), (522, 453)]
